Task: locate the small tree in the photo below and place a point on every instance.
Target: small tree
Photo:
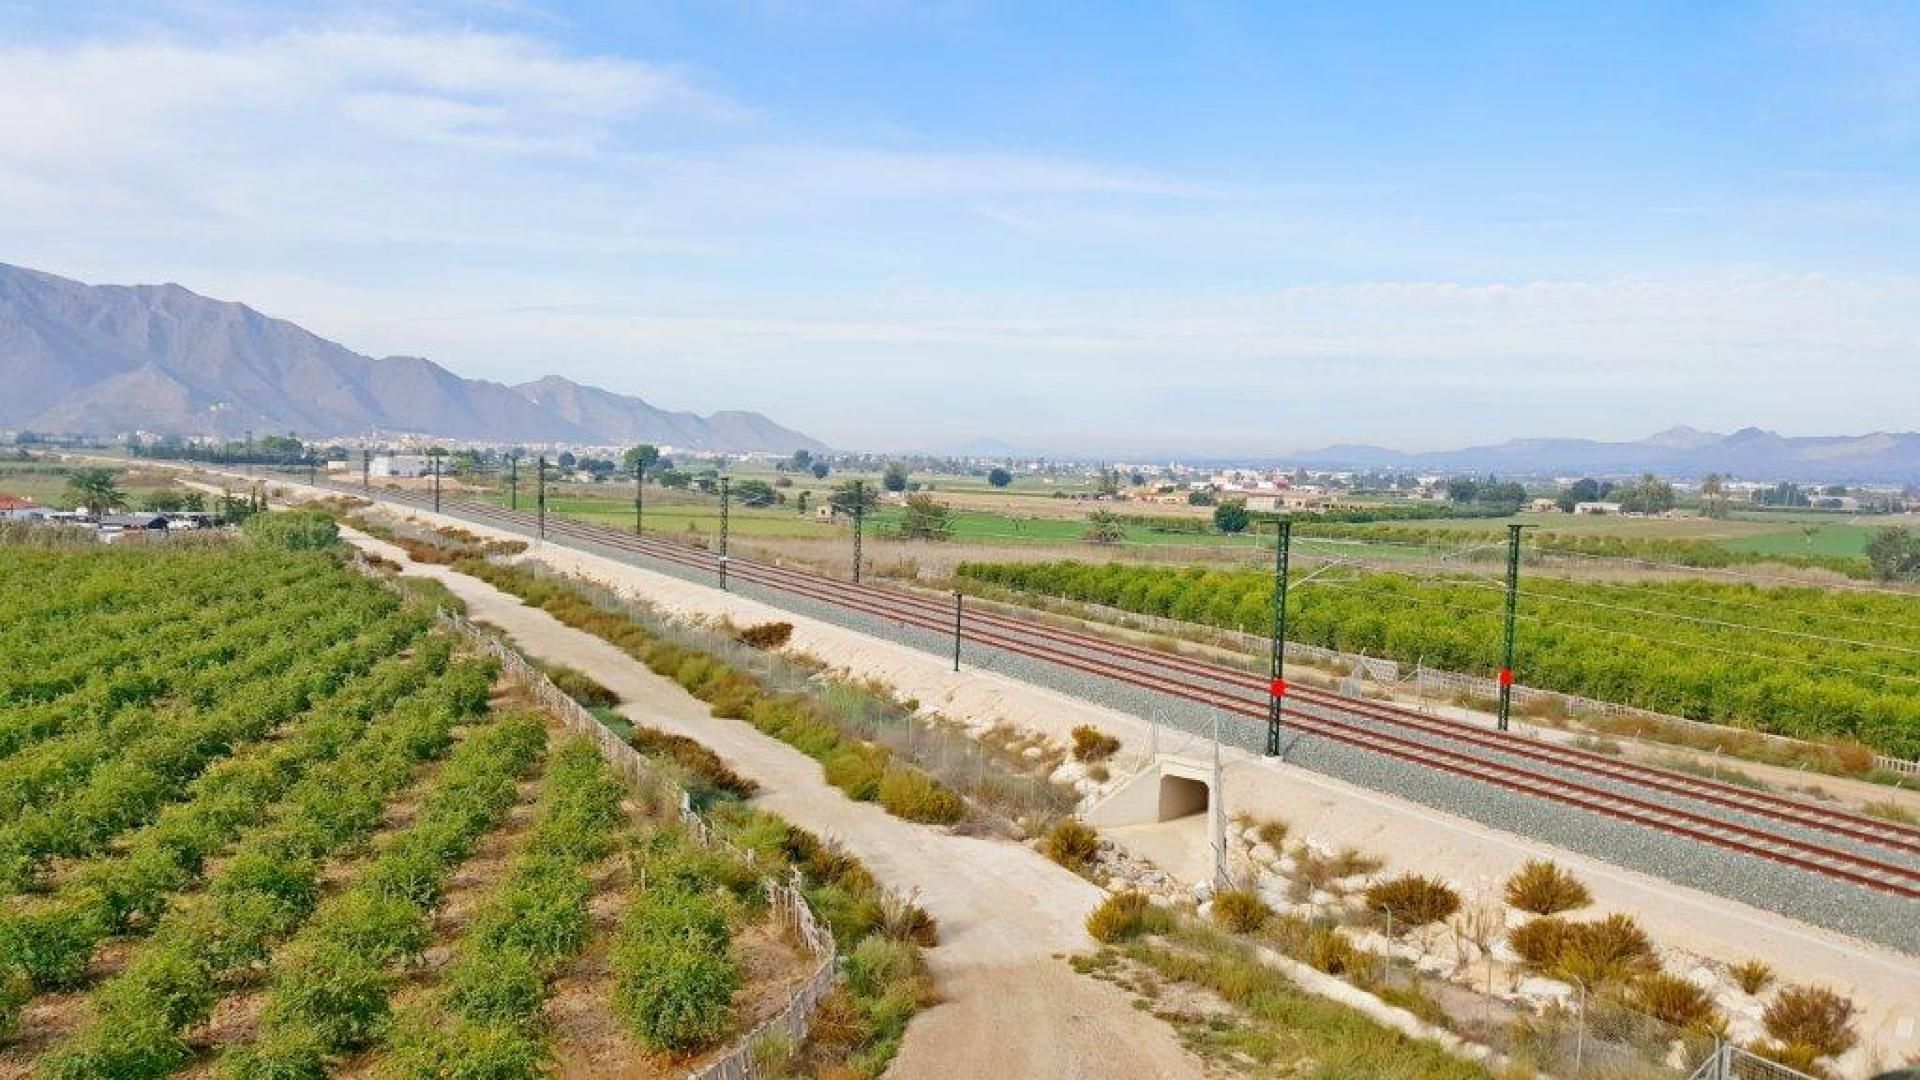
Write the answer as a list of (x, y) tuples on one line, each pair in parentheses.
[(755, 493), (999, 477), (820, 470), (1894, 553), (853, 494), (1103, 527), (1232, 517), (94, 489), (895, 476), (926, 519), (642, 457)]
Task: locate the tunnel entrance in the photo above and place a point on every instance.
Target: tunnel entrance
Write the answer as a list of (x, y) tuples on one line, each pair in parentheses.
[(1181, 796)]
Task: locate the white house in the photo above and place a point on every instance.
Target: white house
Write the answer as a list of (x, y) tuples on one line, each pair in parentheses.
[(399, 465), (1596, 508)]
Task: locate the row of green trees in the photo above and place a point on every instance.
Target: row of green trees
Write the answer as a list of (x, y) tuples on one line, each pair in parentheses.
[(1794, 661)]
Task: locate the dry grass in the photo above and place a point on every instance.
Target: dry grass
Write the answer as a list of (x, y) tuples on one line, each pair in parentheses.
[(1240, 910), (1321, 871), (1127, 915), (1752, 975), (1675, 1001), (1891, 811), (1812, 1016), (1542, 888), (1411, 900), (1072, 843), (1090, 744), (771, 635)]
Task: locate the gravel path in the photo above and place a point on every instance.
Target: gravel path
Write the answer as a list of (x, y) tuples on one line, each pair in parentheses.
[(1011, 1007)]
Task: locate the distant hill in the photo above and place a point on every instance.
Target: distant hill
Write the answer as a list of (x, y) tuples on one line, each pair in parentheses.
[(105, 359), (1750, 453)]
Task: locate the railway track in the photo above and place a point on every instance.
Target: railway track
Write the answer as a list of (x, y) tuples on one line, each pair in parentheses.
[(1758, 824)]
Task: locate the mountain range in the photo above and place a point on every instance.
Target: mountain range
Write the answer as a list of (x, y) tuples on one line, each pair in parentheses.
[(107, 359), (1747, 454)]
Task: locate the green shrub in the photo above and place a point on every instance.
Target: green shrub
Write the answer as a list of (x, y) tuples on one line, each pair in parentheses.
[(908, 793), (1812, 1016), (294, 530), (1240, 911), (582, 687), (1090, 744), (1127, 915), (466, 1050), (674, 992), (1542, 888), (338, 996), (1072, 843), (1411, 900), (496, 986), (856, 769)]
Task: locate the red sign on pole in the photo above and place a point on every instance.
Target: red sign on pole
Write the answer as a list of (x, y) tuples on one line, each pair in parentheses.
[(1506, 676), (1278, 688)]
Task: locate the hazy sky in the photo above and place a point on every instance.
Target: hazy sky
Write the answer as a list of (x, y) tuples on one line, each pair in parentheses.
[(1108, 227)]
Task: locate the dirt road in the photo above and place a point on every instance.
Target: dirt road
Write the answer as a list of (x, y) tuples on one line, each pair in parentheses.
[(1012, 1007)]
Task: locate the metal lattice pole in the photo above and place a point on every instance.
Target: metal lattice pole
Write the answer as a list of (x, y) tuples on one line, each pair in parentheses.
[(859, 516), (540, 493), (1513, 599), (1277, 666), (956, 629), (436, 482), (513, 481), (725, 502), (639, 505)]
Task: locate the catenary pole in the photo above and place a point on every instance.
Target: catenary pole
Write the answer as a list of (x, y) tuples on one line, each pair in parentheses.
[(540, 493), (956, 629), (366, 468), (1277, 689), (1513, 603), (726, 500), (639, 494), (436, 482), (513, 481), (859, 516)]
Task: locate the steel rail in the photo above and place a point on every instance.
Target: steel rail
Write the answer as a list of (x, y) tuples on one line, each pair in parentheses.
[(897, 606)]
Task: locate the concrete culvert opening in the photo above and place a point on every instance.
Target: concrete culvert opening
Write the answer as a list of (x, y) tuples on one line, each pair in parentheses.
[(1181, 797)]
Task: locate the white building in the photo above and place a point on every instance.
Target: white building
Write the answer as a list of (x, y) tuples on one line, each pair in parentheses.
[(399, 465), (1596, 508)]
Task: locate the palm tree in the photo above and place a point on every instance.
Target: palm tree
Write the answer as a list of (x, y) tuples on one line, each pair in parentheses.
[(93, 489)]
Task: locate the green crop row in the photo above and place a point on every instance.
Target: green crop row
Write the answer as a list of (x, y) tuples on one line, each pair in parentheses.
[(266, 888), (864, 771), (47, 944), (331, 984), (673, 966), (154, 769), (1794, 661), (485, 1020), (43, 769)]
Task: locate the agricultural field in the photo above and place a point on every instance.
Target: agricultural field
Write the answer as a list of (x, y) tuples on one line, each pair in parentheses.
[(262, 819), (1805, 662), (45, 482)]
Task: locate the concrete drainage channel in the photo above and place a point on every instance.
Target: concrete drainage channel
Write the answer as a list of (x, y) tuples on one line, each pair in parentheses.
[(1860, 912)]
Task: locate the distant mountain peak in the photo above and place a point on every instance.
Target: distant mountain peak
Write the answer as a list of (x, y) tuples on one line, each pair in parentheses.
[(1683, 437), (105, 359)]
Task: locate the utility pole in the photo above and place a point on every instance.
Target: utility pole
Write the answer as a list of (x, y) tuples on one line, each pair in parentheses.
[(1513, 601), (435, 459), (956, 629), (859, 516), (310, 470), (725, 502), (639, 495), (1277, 690), (540, 492), (513, 481), (366, 468)]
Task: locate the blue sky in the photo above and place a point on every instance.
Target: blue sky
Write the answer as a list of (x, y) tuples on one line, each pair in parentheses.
[(1111, 228)]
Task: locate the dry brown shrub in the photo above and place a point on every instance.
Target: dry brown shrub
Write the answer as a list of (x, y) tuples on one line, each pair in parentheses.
[(1540, 941), (1752, 975), (1072, 843), (1240, 910), (1412, 900), (1542, 888), (1812, 1016), (1674, 1001), (1090, 744), (770, 635)]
